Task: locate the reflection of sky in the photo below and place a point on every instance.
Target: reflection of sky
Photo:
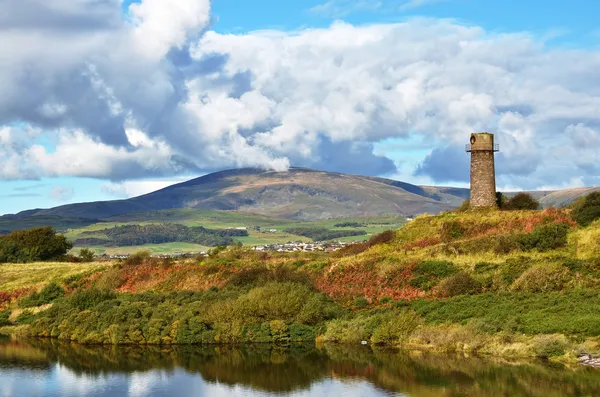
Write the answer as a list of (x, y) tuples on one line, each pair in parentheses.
[(60, 381)]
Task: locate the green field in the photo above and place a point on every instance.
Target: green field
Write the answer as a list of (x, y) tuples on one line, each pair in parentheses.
[(258, 227)]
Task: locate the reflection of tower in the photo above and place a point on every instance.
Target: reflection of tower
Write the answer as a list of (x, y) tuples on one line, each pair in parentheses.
[(483, 173)]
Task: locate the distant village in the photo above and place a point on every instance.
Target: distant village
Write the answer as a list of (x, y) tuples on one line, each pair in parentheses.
[(291, 246), (298, 246)]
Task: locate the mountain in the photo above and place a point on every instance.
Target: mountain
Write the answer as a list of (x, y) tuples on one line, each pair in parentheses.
[(300, 193)]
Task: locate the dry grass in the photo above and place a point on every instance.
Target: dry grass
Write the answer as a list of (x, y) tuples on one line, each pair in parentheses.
[(16, 276)]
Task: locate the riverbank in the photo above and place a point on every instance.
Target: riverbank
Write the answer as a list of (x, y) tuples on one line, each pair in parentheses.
[(504, 284)]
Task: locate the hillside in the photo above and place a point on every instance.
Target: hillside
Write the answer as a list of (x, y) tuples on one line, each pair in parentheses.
[(300, 194), (505, 283)]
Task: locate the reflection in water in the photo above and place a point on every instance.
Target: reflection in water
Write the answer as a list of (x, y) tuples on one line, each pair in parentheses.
[(48, 367)]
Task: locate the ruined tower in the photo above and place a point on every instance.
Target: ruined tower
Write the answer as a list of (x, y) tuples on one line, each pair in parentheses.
[(483, 172)]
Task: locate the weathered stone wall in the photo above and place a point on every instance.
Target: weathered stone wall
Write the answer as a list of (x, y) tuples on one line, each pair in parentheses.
[(483, 179)]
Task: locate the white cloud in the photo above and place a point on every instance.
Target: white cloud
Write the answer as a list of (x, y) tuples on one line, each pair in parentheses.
[(125, 99), (161, 25), (127, 189)]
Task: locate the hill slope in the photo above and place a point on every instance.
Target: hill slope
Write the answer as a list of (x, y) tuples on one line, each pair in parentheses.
[(299, 193)]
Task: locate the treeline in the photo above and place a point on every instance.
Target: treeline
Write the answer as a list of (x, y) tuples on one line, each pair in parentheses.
[(38, 244), (131, 235), (323, 234), (349, 224)]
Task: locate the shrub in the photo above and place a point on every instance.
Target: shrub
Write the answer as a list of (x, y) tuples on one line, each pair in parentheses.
[(546, 346), (395, 329), (86, 255), (84, 300), (48, 294), (484, 267), (384, 237), (259, 275), (542, 279), (500, 200), (507, 244), (26, 317), (588, 210), (137, 259), (522, 201), (361, 302), (460, 283), (451, 230), (548, 237), (427, 273), (513, 268), (4, 318), (385, 299)]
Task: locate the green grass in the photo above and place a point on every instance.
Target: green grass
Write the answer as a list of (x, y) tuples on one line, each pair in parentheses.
[(166, 248)]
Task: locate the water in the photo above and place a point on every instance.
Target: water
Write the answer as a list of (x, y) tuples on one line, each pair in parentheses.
[(51, 368)]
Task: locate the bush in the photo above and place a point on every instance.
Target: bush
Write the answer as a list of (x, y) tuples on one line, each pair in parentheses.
[(451, 230), (542, 279), (86, 255), (48, 294), (550, 346), (547, 237), (84, 300), (460, 283), (137, 259), (588, 210), (522, 201), (395, 329), (543, 238), (361, 302), (426, 274), (4, 318), (384, 237), (26, 317), (513, 268), (500, 200)]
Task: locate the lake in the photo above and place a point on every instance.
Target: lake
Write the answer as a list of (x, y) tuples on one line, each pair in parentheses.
[(51, 368)]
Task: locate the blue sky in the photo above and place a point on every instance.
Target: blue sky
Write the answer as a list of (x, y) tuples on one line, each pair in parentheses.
[(553, 24)]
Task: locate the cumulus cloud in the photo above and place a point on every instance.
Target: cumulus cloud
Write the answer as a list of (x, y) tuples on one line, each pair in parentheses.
[(127, 189), (143, 95)]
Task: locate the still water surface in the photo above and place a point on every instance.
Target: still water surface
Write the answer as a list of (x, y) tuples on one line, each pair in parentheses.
[(50, 368)]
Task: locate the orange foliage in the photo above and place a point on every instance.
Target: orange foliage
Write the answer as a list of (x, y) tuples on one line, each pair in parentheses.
[(359, 280), (6, 297)]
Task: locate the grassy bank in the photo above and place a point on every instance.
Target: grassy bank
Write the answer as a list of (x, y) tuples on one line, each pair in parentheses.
[(511, 283)]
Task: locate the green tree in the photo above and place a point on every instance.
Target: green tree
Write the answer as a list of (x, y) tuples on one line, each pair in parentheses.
[(522, 201), (86, 255), (38, 244), (588, 210)]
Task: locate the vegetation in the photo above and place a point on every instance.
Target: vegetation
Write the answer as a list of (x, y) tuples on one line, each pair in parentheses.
[(518, 282), (38, 244), (587, 210), (129, 235), (322, 234), (521, 201)]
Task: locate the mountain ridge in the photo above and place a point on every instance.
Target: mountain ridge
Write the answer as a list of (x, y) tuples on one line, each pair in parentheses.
[(299, 193), (302, 194)]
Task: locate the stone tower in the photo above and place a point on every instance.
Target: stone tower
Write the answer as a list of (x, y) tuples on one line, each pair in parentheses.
[(483, 172)]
